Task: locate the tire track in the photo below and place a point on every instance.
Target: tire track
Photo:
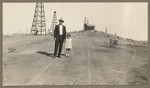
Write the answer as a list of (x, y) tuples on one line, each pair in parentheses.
[(89, 63), (37, 76), (124, 80)]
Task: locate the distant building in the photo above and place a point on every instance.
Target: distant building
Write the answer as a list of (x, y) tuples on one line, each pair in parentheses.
[(89, 27)]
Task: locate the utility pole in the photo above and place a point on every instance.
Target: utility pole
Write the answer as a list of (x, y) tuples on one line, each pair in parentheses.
[(19, 32), (8, 33), (26, 31), (106, 30), (115, 34)]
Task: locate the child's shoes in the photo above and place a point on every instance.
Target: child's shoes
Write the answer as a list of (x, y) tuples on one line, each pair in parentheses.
[(67, 55)]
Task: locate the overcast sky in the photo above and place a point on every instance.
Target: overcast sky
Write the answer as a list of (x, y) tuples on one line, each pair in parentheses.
[(129, 20)]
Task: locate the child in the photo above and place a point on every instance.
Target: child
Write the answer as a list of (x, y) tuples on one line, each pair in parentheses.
[(68, 45)]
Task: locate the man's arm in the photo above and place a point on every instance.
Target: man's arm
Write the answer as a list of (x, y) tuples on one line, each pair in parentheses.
[(64, 33)]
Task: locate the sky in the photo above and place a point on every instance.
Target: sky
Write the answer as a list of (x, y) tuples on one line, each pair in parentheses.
[(128, 20)]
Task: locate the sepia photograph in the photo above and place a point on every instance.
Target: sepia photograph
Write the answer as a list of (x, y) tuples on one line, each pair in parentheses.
[(75, 43)]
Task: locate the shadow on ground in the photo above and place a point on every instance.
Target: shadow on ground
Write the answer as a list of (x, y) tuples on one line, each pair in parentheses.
[(48, 54), (45, 53)]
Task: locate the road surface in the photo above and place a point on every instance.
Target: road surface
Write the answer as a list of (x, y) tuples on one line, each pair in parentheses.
[(27, 60)]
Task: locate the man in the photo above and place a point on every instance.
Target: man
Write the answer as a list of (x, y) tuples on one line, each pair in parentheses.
[(59, 37)]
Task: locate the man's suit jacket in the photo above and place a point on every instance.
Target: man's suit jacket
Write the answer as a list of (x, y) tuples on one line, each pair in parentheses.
[(56, 32)]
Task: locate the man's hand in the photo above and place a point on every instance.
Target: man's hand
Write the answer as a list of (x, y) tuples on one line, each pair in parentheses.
[(64, 40)]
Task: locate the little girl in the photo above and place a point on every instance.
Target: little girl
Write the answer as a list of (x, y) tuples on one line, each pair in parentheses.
[(68, 45)]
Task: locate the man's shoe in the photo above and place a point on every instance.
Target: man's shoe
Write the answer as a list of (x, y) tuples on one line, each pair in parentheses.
[(59, 56)]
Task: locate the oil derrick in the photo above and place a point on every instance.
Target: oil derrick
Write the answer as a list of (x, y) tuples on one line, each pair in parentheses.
[(88, 26), (38, 25), (54, 23)]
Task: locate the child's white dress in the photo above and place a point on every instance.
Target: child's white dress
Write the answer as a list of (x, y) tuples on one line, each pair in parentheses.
[(68, 44)]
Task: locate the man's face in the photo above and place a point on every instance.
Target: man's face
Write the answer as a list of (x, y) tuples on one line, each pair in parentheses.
[(60, 22)]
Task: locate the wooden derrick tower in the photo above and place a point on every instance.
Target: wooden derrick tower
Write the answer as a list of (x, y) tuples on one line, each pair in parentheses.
[(38, 25), (53, 24)]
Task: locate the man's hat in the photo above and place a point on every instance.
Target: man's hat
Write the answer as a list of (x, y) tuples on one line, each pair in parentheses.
[(61, 19)]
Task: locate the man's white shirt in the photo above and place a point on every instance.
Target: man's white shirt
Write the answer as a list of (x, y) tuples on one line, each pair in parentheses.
[(60, 29)]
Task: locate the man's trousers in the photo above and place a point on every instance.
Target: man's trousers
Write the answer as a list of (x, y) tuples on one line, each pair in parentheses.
[(58, 45)]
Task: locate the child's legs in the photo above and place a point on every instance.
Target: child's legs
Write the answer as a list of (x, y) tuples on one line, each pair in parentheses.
[(68, 51)]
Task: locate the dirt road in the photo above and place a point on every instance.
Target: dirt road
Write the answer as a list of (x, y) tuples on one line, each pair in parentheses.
[(92, 62)]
